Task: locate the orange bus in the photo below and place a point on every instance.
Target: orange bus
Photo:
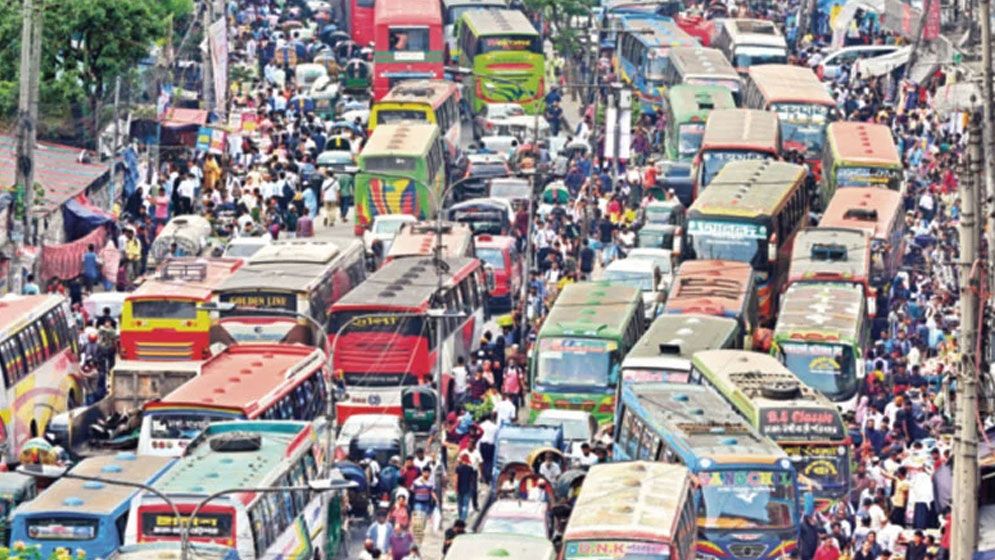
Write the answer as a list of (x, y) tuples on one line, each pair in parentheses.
[(716, 287), (244, 382), (831, 255), (731, 135), (860, 154), (880, 213), (160, 319)]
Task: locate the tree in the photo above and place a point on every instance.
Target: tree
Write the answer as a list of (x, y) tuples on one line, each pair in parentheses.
[(559, 13)]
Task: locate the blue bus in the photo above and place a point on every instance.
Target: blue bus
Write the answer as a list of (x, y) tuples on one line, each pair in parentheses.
[(643, 56), (86, 515), (747, 495)]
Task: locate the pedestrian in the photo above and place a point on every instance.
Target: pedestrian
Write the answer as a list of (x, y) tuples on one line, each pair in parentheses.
[(827, 550), (413, 554), (458, 528), (305, 225), (345, 196), (380, 531), (488, 437), (401, 542), (30, 287), (423, 492), (91, 267), (466, 485), (460, 384)]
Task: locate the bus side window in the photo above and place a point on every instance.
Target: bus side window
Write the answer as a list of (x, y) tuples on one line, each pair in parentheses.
[(466, 296), (256, 522), (27, 349), (635, 430), (121, 523), (276, 525)]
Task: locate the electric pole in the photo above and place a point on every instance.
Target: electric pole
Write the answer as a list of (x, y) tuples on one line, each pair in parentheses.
[(965, 509), (27, 118), (117, 138), (988, 207)]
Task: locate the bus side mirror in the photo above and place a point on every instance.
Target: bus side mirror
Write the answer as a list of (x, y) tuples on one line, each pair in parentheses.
[(772, 249), (678, 242)]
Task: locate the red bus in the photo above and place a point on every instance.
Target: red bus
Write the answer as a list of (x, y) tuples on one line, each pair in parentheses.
[(880, 213), (360, 15), (382, 337), (244, 382), (715, 287), (160, 320), (409, 43)]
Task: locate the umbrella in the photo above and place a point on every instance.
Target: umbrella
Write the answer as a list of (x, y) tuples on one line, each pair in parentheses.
[(556, 192)]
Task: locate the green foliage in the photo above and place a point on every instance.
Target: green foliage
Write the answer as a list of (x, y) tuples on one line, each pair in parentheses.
[(559, 13), (480, 411)]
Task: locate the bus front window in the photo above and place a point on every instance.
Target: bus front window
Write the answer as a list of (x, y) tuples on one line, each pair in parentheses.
[(747, 499), (689, 138), (394, 116), (827, 368), (714, 160), (493, 257), (656, 67), (575, 362), (730, 241), (410, 39), (753, 56)]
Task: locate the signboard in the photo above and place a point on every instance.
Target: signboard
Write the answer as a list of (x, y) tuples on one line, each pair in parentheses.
[(210, 525), (730, 230), (932, 29), (822, 463), (654, 376), (262, 300), (801, 423), (62, 529), (744, 479), (203, 139), (249, 121), (217, 35), (217, 144), (614, 550)]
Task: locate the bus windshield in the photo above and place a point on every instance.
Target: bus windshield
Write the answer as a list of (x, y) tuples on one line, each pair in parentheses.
[(827, 368), (714, 160), (753, 56), (656, 66), (181, 426), (395, 116), (864, 176), (493, 257), (810, 135), (574, 361), (730, 241), (689, 138), (747, 499)]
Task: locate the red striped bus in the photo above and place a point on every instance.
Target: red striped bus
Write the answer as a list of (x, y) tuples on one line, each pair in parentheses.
[(719, 288), (408, 43)]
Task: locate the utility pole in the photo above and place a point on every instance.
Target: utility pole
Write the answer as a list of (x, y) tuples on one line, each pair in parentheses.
[(117, 138), (918, 43), (989, 131), (965, 509), (207, 88), (27, 118)]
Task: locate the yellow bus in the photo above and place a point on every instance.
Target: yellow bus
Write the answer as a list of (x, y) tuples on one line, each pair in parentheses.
[(422, 101), (859, 154)]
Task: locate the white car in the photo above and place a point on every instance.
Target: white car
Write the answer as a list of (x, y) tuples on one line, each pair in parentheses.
[(640, 274), (245, 247), (384, 228), (830, 66), (351, 115), (663, 259)]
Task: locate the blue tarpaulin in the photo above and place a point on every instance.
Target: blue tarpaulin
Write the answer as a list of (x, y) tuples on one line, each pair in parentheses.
[(80, 218), (131, 175)]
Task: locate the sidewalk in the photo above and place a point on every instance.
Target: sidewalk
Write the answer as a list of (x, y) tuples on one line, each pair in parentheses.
[(431, 543)]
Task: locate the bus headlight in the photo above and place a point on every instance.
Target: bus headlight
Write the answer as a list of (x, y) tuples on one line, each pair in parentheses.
[(785, 463)]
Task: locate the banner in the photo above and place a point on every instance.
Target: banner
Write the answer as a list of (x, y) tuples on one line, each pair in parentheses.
[(611, 123), (932, 29), (203, 139), (218, 41), (217, 143)]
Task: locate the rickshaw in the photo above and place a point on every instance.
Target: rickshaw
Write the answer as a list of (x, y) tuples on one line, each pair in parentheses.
[(325, 93), (15, 488), (567, 487), (554, 193), (573, 149), (339, 128), (523, 478), (537, 456), (327, 59), (359, 495), (346, 50), (357, 76), (419, 405)]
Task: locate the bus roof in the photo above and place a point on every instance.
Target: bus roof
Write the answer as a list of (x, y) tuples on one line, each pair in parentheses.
[(872, 210), (697, 101), (682, 335), (448, 4), (409, 12), (187, 278), (435, 92), (758, 32), (485, 546), (756, 187), (860, 143), (742, 129), (68, 495), (703, 62), (408, 139), (402, 284), (654, 495), (16, 311), (420, 238), (290, 265), (703, 421), (787, 83), (711, 287), (825, 253), (244, 377), (654, 31), (821, 313), (196, 473), (591, 309), (498, 22)]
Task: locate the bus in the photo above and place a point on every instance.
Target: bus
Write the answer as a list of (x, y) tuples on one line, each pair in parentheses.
[(805, 424), (718, 289), (39, 365), (425, 101), (734, 135), (687, 109), (643, 55), (296, 276), (84, 515), (383, 339), (663, 353), (747, 491), (702, 66), (402, 170), (360, 15), (503, 53), (485, 546), (751, 213), (409, 43), (750, 42), (161, 319), (230, 458), (244, 382), (658, 520), (879, 212), (820, 336), (825, 255), (575, 363), (452, 13), (419, 239), (860, 154), (800, 100)]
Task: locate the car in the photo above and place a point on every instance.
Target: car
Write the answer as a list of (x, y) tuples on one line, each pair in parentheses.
[(830, 66), (640, 274), (479, 169), (661, 258), (245, 247), (385, 441), (358, 423), (384, 228), (579, 426), (336, 161), (521, 517), (668, 212), (493, 111), (513, 189)]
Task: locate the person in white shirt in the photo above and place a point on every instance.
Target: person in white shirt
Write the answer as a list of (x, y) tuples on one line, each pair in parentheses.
[(460, 384), (550, 469), (505, 410), (586, 458), (877, 515), (920, 495), (488, 435)]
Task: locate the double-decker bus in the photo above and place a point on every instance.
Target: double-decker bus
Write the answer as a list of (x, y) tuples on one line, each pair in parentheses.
[(860, 154), (84, 515), (828, 255), (452, 13), (734, 135), (233, 458), (658, 520), (663, 353), (702, 66), (687, 109), (643, 56), (162, 320), (751, 213), (39, 366), (503, 52), (718, 289), (301, 276), (402, 170), (804, 423), (575, 363), (801, 101), (419, 239), (750, 42), (360, 14), (747, 489), (820, 336), (881, 214), (244, 382), (383, 338), (409, 43), (424, 101)]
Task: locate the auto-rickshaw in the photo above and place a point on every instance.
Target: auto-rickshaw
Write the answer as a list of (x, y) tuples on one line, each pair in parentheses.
[(419, 406), (15, 488), (357, 76)]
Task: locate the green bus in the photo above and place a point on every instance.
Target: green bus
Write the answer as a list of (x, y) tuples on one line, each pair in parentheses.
[(402, 170), (576, 360), (687, 110), (504, 53)]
